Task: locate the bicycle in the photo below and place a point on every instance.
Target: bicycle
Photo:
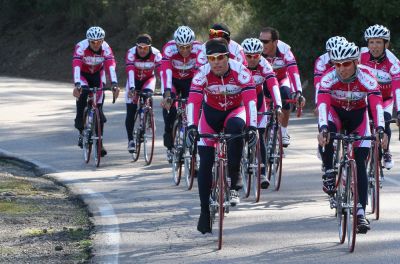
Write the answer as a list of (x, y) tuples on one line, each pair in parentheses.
[(273, 142), (346, 198), (250, 168), (144, 127), (375, 174), (220, 189), (92, 131)]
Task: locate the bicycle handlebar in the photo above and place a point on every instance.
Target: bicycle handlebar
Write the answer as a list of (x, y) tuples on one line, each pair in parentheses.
[(351, 137), (97, 89), (221, 136)]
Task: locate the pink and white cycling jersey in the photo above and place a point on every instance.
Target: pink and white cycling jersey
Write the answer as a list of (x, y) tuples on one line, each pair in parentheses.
[(235, 52), (174, 65), (285, 65), (141, 69), (386, 71), (235, 89), (264, 72), (86, 60), (350, 96), (321, 66)]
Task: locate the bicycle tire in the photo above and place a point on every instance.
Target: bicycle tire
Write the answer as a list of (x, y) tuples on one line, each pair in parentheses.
[(275, 162), (352, 201), (136, 135), (99, 138), (371, 179), (245, 169), (176, 157), (86, 141), (190, 167), (257, 173), (221, 200), (148, 137), (340, 214), (377, 181)]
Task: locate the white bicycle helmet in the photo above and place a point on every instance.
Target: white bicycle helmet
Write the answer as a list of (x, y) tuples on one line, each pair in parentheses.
[(377, 31), (184, 35), (333, 41), (345, 51), (95, 33), (252, 45)]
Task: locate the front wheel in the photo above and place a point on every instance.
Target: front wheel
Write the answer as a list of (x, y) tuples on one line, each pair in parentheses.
[(351, 201), (148, 137), (275, 151), (87, 135), (245, 170), (98, 140), (256, 167), (178, 149), (221, 200), (137, 131)]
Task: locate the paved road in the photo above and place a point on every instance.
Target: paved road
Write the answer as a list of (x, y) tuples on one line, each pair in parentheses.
[(141, 217)]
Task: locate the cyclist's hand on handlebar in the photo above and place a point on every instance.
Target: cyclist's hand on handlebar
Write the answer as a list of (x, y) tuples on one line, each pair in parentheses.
[(131, 93), (115, 90), (251, 136), (323, 137), (166, 103), (77, 90), (278, 112), (191, 136), (381, 137)]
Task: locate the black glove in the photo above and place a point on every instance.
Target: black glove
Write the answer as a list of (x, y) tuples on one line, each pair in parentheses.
[(380, 131), (191, 136), (78, 85), (114, 86), (251, 136)]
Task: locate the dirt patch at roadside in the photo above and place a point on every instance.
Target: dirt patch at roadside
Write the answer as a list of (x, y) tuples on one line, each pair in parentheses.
[(40, 222)]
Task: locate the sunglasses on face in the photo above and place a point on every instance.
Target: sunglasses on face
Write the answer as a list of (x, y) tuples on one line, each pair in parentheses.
[(96, 41), (253, 56), (184, 47), (217, 57), (344, 64), (143, 47), (266, 41), (217, 33)]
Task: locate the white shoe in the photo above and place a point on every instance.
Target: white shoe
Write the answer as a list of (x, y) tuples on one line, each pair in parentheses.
[(235, 200), (285, 140), (131, 146), (388, 162)]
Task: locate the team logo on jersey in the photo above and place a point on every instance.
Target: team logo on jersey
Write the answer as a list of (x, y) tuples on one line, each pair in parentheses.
[(368, 80), (244, 77), (198, 80)]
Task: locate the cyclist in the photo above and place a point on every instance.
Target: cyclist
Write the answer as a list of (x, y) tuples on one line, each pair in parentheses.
[(141, 61), (177, 70), (262, 72), (92, 58), (225, 90), (283, 62), (386, 68), (342, 103), (220, 30)]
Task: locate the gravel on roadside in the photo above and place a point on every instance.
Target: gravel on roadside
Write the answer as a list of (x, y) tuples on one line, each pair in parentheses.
[(40, 221)]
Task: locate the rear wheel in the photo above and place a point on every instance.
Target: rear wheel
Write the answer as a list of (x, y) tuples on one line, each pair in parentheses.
[(87, 138), (148, 137), (136, 135), (177, 155), (98, 140)]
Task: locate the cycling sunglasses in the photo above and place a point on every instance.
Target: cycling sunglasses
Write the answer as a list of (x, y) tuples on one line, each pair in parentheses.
[(266, 41), (143, 47), (216, 57), (344, 63), (217, 33)]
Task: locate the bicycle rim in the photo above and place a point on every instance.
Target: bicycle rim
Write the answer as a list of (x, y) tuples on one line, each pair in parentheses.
[(176, 156), (257, 173), (275, 164), (98, 143), (352, 200), (136, 136), (377, 182), (148, 144), (244, 170), (221, 201), (190, 168), (87, 145), (340, 213)]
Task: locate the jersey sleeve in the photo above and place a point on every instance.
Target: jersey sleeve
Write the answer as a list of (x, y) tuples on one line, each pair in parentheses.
[(195, 99)]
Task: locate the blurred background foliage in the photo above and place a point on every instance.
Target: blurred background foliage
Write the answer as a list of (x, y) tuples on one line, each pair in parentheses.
[(39, 33)]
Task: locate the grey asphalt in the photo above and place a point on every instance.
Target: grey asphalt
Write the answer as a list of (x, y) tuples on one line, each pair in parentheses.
[(141, 217)]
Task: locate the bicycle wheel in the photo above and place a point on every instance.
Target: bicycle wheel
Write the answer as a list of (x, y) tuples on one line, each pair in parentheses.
[(136, 135), (213, 201), (371, 179), (340, 213), (190, 166), (148, 137), (377, 186), (221, 200), (177, 133), (245, 170), (351, 202), (275, 158), (87, 138), (256, 167), (98, 139)]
